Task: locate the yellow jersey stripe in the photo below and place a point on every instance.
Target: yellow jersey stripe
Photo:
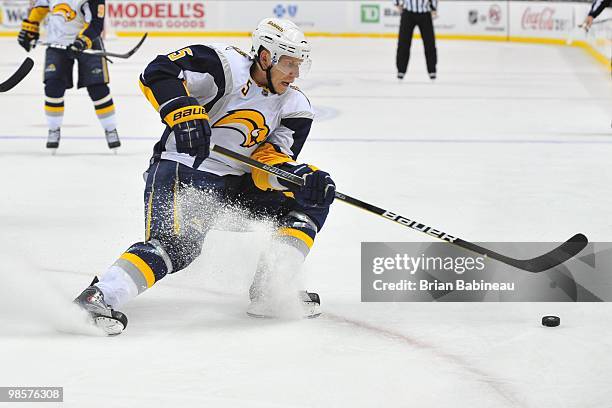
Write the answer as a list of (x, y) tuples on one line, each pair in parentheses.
[(148, 93), (38, 14)]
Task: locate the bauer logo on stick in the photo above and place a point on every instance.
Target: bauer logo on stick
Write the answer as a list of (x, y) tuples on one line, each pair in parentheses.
[(418, 226)]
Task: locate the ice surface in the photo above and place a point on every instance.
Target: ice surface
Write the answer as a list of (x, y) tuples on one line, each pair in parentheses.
[(512, 142)]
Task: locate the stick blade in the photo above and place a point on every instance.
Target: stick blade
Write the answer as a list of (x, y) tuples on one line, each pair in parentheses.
[(557, 256), (23, 70)]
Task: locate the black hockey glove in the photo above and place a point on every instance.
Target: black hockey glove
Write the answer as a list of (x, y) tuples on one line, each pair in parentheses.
[(29, 32), (189, 122), (77, 47), (319, 190)]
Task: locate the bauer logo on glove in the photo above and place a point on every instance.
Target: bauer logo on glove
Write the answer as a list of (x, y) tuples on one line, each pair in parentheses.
[(185, 113), (189, 123)]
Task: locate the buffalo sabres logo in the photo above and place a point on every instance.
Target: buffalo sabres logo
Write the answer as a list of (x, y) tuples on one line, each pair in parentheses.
[(64, 10), (250, 123)]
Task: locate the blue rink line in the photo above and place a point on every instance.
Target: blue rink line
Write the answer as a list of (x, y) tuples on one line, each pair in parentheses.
[(362, 140)]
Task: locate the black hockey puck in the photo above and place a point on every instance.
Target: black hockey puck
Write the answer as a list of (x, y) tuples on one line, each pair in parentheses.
[(551, 321)]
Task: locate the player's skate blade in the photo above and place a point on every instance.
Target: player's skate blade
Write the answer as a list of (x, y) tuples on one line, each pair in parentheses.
[(102, 315), (112, 139), (310, 303), (53, 140), (112, 326)]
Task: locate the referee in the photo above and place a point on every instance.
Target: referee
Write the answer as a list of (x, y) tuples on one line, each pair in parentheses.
[(416, 13)]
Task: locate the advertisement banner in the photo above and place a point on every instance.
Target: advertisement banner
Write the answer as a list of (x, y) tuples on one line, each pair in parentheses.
[(541, 19), (375, 17), (12, 13), (157, 15), (310, 16), (485, 18), (457, 17)]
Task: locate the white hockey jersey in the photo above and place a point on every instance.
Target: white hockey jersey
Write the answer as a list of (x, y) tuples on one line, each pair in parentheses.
[(65, 19), (243, 116)]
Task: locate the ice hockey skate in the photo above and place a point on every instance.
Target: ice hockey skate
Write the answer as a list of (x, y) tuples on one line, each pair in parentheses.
[(102, 315), (264, 307), (112, 139), (53, 139)]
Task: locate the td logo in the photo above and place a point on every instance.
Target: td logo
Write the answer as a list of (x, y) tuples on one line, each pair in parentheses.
[(370, 13)]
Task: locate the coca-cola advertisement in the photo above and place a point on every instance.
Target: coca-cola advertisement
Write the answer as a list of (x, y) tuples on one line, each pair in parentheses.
[(540, 19), (157, 15), (543, 19)]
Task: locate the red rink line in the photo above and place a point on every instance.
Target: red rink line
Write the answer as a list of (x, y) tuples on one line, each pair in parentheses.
[(488, 379)]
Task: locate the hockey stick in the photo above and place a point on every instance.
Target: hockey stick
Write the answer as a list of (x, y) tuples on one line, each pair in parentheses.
[(23, 70), (101, 53), (605, 20), (557, 256)]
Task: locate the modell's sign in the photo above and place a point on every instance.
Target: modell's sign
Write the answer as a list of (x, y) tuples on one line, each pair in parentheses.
[(157, 15), (543, 20)]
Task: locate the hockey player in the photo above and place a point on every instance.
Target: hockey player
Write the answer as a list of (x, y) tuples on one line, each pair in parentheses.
[(76, 24), (218, 94)]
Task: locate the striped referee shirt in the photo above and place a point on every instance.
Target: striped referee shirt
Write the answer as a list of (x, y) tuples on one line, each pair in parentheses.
[(421, 6), (598, 6)]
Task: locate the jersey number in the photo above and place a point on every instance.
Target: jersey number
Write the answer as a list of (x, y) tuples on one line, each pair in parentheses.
[(246, 87), (180, 54)]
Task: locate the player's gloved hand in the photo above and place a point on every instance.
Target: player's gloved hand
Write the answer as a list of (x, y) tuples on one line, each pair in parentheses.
[(29, 32), (189, 122), (319, 190), (77, 47)]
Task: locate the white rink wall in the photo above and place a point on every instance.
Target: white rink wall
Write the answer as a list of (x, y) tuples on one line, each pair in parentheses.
[(525, 21)]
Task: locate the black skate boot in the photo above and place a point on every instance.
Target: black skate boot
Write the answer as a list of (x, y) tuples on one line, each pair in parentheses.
[(92, 301), (311, 304), (53, 139), (112, 138)]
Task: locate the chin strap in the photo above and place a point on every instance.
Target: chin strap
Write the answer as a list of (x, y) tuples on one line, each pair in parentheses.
[(268, 76)]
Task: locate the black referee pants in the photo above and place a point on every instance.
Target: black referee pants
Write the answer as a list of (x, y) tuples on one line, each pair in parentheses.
[(408, 21)]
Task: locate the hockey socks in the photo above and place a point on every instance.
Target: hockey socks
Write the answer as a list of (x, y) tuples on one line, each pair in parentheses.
[(104, 106), (136, 270)]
